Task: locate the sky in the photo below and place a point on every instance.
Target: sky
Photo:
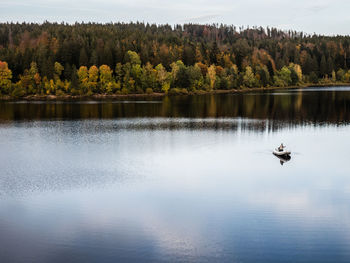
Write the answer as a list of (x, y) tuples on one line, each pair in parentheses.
[(321, 16)]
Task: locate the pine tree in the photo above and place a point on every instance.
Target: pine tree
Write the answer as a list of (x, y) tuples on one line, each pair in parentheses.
[(323, 66)]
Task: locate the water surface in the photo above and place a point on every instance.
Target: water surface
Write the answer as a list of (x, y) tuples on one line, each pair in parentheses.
[(180, 179)]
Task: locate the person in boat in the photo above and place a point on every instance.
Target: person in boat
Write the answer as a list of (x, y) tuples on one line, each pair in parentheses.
[(281, 148)]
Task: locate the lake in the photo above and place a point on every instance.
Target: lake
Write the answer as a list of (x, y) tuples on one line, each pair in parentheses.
[(177, 179)]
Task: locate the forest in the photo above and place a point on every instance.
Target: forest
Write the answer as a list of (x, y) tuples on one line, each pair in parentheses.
[(139, 58)]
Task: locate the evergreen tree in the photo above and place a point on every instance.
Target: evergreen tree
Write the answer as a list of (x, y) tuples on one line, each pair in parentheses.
[(323, 67), (75, 81)]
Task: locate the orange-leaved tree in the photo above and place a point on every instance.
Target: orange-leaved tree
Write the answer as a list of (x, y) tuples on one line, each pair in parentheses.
[(5, 78)]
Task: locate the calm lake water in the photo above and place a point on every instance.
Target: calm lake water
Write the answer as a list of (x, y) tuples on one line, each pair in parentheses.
[(180, 179)]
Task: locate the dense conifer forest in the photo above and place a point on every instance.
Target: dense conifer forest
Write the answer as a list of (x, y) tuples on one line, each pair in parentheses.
[(135, 58)]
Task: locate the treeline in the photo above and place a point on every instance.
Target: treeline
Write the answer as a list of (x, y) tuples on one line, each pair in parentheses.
[(86, 59)]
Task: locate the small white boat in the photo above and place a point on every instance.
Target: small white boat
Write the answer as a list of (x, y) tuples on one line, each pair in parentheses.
[(281, 153)]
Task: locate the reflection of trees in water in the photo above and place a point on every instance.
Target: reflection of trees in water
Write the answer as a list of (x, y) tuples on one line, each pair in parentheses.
[(294, 107)]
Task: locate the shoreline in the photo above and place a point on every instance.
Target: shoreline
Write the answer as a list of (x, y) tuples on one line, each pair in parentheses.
[(157, 95)]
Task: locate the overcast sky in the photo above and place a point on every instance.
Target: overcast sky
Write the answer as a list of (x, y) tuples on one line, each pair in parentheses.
[(319, 16)]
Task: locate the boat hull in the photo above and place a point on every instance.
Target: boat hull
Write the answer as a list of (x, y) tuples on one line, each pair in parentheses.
[(281, 153)]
